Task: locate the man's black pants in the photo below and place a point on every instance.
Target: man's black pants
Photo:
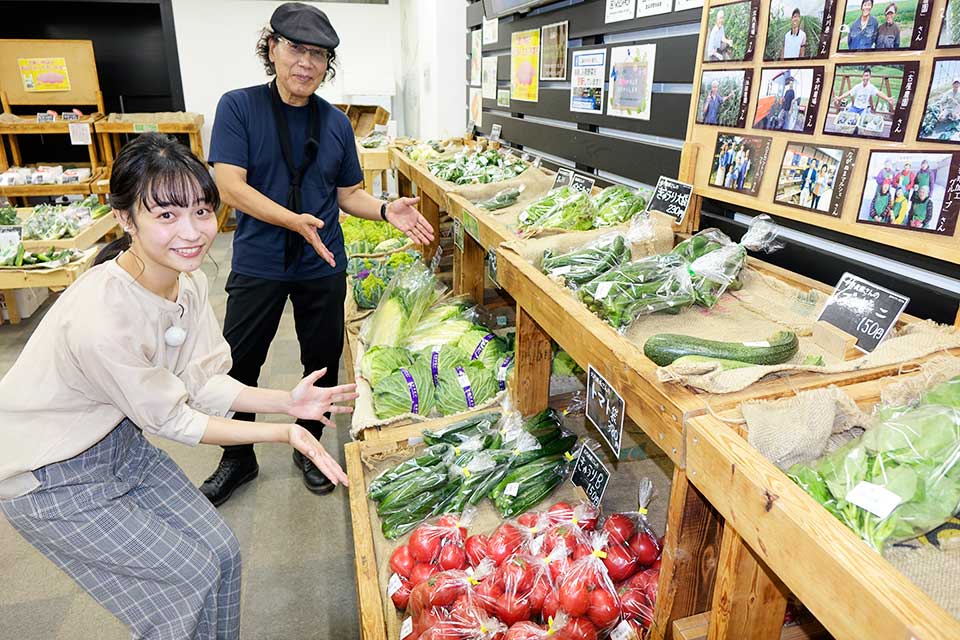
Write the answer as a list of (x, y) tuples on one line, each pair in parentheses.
[(254, 308)]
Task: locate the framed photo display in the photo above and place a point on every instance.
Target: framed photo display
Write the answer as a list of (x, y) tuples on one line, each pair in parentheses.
[(739, 162), (724, 97), (815, 177), (941, 112), (871, 100), (799, 29), (916, 190), (885, 25), (950, 28), (731, 31), (787, 99)]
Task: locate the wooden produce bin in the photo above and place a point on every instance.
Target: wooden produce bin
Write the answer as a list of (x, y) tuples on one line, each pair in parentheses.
[(88, 236), (110, 129), (11, 279), (24, 191), (373, 163), (363, 118), (778, 538)]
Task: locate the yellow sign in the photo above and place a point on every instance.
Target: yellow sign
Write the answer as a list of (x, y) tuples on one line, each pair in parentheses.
[(525, 65), (44, 74)]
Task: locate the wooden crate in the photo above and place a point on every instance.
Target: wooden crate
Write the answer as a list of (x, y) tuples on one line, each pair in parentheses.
[(783, 539), (110, 128), (363, 118), (43, 190), (50, 278), (88, 236)]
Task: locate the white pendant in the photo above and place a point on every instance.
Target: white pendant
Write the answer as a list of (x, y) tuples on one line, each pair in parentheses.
[(175, 336)]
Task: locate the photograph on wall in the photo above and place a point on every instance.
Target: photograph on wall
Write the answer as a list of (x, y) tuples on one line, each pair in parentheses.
[(731, 31), (587, 75), (815, 177), (871, 100), (553, 51), (503, 97), (787, 99), (476, 106), (488, 78), (647, 8), (476, 56), (799, 29), (914, 190), (739, 162), (724, 97), (950, 28), (884, 26), (491, 31), (524, 65), (941, 115), (631, 81)]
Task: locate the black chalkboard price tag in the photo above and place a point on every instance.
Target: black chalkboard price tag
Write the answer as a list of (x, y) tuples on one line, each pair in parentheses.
[(671, 197), (590, 475), (583, 183), (564, 176), (864, 310), (605, 408)]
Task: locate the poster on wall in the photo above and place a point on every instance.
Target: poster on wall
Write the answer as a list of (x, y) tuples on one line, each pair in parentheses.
[(553, 51), (491, 31), (619, 10), (739, 162), (732, 31), (724, 97), (919, 191), (884, 26), (524, 63), (871, 100), (787, 99), (44, 74), (488, 78), (815, 177), (503, 98), (653, 7), (476, 57), (799, 29), (950, 28), (682, 5), (586, 80), (631, 81), (941, 112), (476, 106)]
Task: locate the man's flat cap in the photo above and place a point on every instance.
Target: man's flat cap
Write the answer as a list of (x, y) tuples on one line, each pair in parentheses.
[(304, 24)]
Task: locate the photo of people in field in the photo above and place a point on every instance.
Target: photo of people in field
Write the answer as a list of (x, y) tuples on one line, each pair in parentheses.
[(739, 162), (729, 35), (813, 177), (950, 28), (795, 29), (865, 100), (941, 115), (784, 100), (721, 97), (869, 26)]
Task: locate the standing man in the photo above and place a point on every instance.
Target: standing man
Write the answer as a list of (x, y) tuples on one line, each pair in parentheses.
[(711, 106), (888, 34), (787, 118), (794, 40), (863, 94), (286, 160), (863, 30)]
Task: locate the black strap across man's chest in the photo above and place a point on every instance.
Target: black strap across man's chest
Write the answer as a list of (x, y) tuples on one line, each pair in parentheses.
[(295, 242)]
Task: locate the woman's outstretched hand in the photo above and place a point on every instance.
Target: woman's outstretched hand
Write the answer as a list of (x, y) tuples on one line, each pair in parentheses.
[(302, 440), (308, 402)]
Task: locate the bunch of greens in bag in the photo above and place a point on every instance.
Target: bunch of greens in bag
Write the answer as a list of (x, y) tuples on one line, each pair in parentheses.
[(502, 199), (616, 205), (571, 210), (409, 294), (580, 266), (911, 454), (407, 390)]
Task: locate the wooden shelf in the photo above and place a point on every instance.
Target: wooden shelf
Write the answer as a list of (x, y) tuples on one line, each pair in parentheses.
[(31, 190), (88, 236), (49, 278), (29, 126)]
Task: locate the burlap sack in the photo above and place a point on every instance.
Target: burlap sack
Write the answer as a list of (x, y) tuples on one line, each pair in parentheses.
[(352, 314), (932, 562), (535, 182)]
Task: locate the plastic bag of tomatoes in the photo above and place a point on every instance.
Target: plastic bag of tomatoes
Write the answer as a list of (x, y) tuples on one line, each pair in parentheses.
[(448, 605), (631, 543), (553, 629), (585, 591), (522, 584)]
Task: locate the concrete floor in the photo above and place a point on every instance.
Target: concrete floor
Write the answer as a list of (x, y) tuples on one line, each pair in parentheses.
[(298, 575)]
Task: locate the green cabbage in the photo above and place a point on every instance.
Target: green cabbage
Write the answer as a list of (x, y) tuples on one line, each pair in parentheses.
[(481, 344), (451, 396), (394, 397), (410, 293), (379, 362), (448, 355)]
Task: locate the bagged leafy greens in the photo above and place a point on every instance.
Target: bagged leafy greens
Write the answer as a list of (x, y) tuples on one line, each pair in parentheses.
[(502, 199), (440, 358), (568, 209), (464, 387), (401, 307), (481, 344), (616, 205), (407, 390)]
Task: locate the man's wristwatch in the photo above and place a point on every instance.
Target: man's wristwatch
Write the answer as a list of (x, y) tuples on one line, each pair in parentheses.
[(383, 211)]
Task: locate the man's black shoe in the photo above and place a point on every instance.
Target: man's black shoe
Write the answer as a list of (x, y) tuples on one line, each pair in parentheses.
[(232, 473), (313, 478)]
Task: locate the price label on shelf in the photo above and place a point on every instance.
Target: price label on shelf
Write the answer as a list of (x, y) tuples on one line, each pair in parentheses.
[(591, 475), (10, 236), (406, 628), (69, 115), (605, 409), (471, 226), (394, 585), (583, 183), (495, 131), (80, 133), (864, 310), (672, 198), (564, 177), (145, 127), (46, 117), (470, 130), (512, 489), (492, 269), (458, 234)]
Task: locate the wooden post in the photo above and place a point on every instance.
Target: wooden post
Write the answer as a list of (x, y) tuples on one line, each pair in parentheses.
[(687, 173), (431, 211), (368, 178), (13, 312), (531, 374), (372, 622), (748, 603), (469, 269), (404, 187), (107, 148), (956, 322), (689, 560), (4, 165)]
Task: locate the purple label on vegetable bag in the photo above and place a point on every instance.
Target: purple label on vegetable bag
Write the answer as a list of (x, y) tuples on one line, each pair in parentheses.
[(412, 388), (482, 345), (465, 383), (502, 373), (435, 365), (362, 274)]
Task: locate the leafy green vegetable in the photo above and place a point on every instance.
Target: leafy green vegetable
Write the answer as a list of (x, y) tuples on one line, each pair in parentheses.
[(408, 390), (440, 358), (564, 365), (571, 210), (480, 167), (362, 236), (391, 244), (462, 388), (501, 200), (480, 344), (617, 204), (380, 362), (8, 216), (403, 303)]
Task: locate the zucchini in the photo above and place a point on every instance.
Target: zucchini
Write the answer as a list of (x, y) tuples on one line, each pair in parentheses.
[(725, 365), (664, 348)]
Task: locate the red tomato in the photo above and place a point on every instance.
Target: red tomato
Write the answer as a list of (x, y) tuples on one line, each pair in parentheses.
[(642, 580), (421, 573), (574, 597), (551, 604), (560, 512), (620, 562), (401, 562), (538, 593), (453, 523), (422, 623), (419, 599), (588, 522), (488, 593), (581, 551), (656, 564), (632, 602), (560, 534), (604, 610), (529, 519), (645, 548), (517, 576), (619, 528), (503, 543), (424, 544), (477, 548), (558, 567), (401, 597), (525, 631), (452, 556), (652, 586), (511, 609), (578, 629), (445, 589)]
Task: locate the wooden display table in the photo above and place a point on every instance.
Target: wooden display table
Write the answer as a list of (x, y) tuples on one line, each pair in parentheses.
[(374, 162), (88, 236), (11, 279), (109, 129)]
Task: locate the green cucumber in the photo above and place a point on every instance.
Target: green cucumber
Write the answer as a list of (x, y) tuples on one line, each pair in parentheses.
[(664, 348)]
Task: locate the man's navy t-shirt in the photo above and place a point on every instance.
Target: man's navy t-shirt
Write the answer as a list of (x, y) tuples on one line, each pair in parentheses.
[(245, 135)]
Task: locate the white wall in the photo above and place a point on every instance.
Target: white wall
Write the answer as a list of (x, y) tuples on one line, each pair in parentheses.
[(216, 39)]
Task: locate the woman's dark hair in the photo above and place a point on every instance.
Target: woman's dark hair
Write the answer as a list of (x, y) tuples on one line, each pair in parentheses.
[(263, 52), (155, 169)]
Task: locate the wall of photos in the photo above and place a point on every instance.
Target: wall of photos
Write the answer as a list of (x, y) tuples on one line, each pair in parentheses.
[(844, 115)]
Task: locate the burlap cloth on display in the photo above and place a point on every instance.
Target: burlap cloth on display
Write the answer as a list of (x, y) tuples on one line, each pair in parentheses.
[(932, 562), (535, 181)]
